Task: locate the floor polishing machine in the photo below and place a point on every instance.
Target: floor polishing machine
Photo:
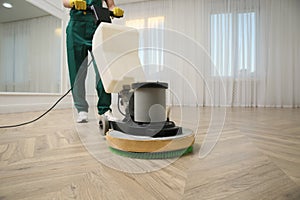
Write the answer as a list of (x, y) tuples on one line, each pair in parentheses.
[(145, 130)]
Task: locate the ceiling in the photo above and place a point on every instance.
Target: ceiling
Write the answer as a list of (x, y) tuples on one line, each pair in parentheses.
[(23, 10)]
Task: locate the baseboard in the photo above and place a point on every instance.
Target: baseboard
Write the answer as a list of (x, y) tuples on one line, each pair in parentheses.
[(15, 103)]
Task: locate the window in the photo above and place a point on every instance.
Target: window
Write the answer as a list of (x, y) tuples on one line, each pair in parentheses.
[(233, 43), (151, 59)]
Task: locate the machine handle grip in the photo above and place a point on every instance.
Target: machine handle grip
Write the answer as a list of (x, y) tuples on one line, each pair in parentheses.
[(111, 13)]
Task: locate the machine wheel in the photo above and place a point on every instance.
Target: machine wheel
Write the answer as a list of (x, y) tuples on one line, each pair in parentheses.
[(103, 125)]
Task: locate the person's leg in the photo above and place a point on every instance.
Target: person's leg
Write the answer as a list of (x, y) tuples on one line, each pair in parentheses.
[(104, 99), (77, 62), (78, 91)]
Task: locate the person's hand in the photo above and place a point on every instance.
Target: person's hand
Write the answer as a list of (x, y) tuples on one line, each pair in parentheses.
[(78, 4), (118, 12)]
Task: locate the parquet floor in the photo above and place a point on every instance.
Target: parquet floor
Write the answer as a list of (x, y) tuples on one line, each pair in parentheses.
[(257, 156)]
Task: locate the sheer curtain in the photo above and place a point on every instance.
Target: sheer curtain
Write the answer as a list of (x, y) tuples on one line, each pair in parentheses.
[(30, 55), (245, 52)]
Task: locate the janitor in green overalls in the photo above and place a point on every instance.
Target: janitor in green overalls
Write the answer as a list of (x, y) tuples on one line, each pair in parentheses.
[(80, 31)]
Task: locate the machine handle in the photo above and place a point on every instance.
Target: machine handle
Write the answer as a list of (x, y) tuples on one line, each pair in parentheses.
[(94, 9)]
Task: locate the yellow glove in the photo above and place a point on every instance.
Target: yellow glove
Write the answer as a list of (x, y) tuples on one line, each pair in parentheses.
[(79, 4), (118, 12)]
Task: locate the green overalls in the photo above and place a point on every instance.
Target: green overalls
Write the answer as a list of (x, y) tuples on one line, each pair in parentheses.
[(80, 31)]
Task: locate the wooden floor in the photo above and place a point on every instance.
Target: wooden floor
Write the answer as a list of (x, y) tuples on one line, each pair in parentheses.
[(257, 156)]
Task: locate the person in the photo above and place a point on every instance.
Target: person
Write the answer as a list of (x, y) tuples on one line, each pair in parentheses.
[(80, 31)]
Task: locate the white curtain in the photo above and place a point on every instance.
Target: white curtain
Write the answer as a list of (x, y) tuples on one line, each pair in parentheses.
[(30, 55), (225, 52)]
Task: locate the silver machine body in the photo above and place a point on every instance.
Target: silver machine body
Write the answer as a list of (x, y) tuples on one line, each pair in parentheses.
[(150, 105), (150, 102)]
